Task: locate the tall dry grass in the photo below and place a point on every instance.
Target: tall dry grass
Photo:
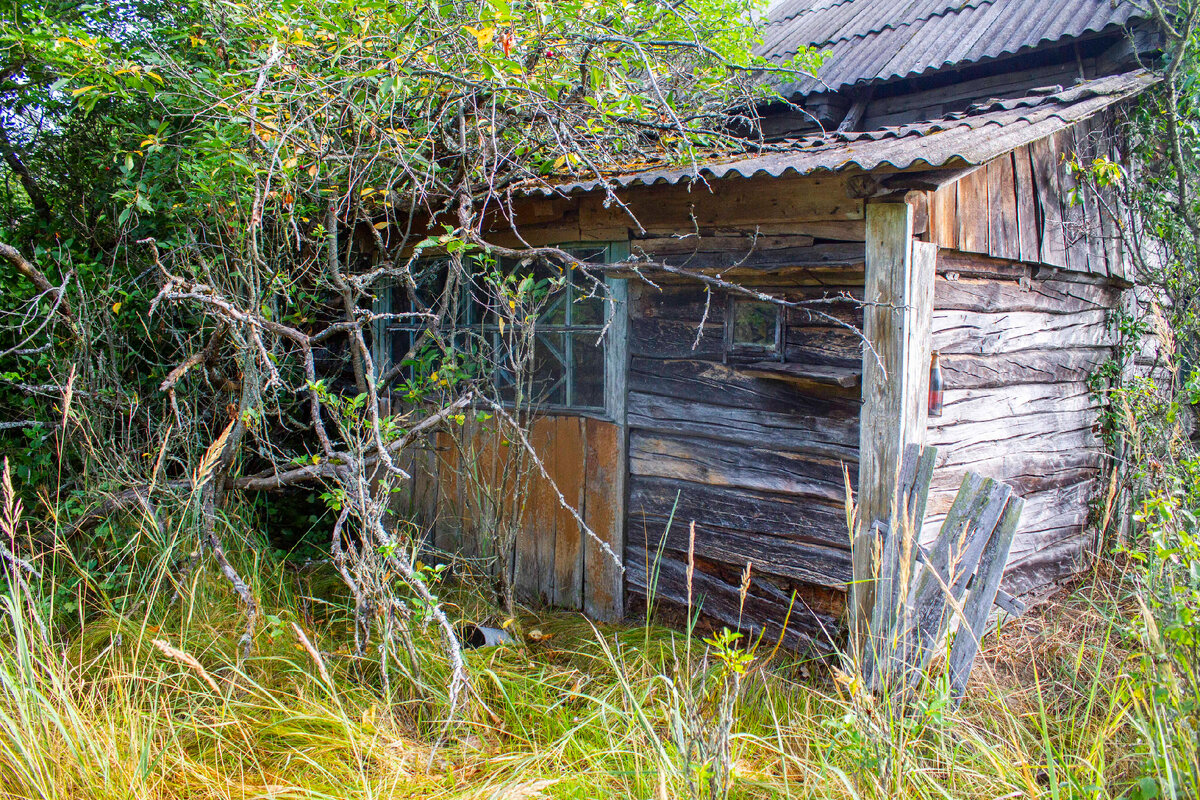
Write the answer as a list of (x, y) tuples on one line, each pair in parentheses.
[(155, 701)]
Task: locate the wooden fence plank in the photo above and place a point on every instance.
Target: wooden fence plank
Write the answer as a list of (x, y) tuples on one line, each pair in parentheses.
[(1074, 219), (983, 593), (927, 588), (964, 545)]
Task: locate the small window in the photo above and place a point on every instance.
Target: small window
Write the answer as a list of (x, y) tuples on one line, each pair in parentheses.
[(752, 327)]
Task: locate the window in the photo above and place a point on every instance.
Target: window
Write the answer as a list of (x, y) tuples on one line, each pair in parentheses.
[(571, 354), (752, 327)]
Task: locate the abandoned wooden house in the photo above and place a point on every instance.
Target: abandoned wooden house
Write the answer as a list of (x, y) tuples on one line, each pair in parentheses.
[(927, 173)]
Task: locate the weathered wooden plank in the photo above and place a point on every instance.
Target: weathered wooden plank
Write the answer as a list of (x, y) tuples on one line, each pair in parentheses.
[(785, 516), (955, 554), (988, 334), (900, 543), (1110, 230), (1039, 471), (821, 436), (1036, 366), (668, 338), (423, 506), (763, 613), (690, 302), (1066, 555), (832, 346), (652, 337), (882, 433), (956, 264), (751, 259), (739, 203), (448, 533), (569, 471), (543, 433), (1053, 244), (1003, 231), (1088, 143), (535, 544), (1049, 516), (1048, 296), (991, 405), (741, 243), (972, 209), (806, 376), (983, 593), (944, 217), (715, 463), (1028, 225), (817, 564), (604, 501), (725, 385), (1074, 220), (918, 341), (851, 230)]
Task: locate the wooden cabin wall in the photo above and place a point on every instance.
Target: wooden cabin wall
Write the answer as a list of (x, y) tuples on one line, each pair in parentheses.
[(691, 416), (1017, 345), (1020, 206), (757, 463)]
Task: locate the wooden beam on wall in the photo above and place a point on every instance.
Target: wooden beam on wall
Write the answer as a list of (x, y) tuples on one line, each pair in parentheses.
[(896, 325)]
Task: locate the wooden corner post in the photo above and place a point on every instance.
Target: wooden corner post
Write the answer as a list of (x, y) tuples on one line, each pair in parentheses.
[(898, 289)]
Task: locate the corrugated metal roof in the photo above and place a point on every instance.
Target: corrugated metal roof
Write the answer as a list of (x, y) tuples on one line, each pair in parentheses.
[(869, 40), (972, 137)]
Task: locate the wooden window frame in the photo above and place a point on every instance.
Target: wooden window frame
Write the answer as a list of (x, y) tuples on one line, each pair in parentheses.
[(774, 352), (613, 327)]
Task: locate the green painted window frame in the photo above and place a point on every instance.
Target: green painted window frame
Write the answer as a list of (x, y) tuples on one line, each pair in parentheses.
[(613, 329)]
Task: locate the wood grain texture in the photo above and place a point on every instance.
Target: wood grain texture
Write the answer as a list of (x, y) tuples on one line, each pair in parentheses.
[(755, 513), (715, 463), (570, 455), (604, 512), (972, 205), (882, 433), (956, 331), (1043, 295), (822, 435), (1017, 352), (969, 371), (448, 517), (812, 620), (983, 592), (1044, 155), (1003, 230), (1074, 221), (943, 217), (1028, 225)]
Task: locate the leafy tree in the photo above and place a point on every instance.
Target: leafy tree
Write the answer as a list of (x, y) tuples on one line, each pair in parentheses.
[(202, 198)]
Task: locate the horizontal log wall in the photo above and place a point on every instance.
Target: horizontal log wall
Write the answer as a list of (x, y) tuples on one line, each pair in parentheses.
[(1016, 352), (755, 462)]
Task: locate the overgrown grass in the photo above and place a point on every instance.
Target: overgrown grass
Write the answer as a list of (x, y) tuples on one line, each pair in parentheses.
[(155, 703)]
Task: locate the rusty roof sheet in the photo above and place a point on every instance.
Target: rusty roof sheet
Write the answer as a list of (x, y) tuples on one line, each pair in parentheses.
[(981, 133), (880, 40)]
